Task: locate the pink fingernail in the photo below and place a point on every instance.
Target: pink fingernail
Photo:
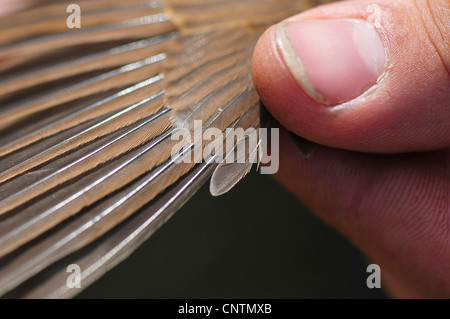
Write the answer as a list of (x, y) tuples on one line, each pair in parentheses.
[(333, 60)]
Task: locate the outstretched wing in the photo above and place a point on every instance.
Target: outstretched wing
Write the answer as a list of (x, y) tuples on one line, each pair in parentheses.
[(87, 116)]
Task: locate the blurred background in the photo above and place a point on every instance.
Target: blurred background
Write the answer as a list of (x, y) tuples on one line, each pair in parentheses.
[(257, 241)]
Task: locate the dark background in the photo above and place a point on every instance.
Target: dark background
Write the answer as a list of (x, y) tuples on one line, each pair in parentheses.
[(257, 241)]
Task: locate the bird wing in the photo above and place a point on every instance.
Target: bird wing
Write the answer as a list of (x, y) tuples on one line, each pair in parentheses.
[(87, 119)]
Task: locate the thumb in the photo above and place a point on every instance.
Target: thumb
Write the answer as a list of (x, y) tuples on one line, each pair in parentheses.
[(369, 76)]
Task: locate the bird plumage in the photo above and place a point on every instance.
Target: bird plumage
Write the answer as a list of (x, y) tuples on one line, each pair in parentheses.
[(86, 119)]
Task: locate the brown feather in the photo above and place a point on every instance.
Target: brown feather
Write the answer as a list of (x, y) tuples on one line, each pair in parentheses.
[(87, 116)]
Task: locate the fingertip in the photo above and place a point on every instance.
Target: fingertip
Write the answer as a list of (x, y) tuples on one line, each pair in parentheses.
[(364, 85)]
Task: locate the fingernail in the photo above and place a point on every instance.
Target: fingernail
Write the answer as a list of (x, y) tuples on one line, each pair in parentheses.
[(305, 146), (333, 60)]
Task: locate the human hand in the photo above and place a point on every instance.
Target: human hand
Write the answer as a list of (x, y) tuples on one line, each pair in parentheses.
[(370, 82)]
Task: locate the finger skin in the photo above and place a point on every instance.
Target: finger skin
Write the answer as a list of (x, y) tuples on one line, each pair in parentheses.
[(408, 110), (11, 6), (395, 208)]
